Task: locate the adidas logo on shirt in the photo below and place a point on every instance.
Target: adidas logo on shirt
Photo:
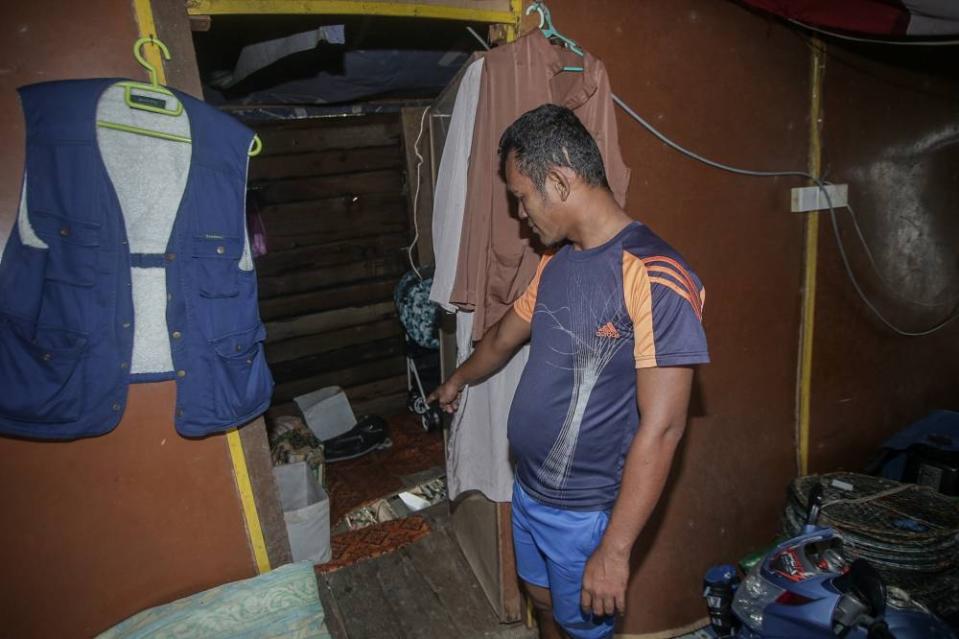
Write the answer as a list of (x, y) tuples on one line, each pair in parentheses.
[(608, 330)]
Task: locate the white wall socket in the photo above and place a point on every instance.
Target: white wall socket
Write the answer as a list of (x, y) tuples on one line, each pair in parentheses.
[(811, 198)]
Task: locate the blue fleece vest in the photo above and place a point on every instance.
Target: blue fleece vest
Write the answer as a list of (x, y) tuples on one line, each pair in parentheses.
[(128, 263)]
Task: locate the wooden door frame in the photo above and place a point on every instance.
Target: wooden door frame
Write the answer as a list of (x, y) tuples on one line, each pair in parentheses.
[(505, 17)]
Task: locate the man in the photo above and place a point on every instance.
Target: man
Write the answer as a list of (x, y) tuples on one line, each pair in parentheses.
[(609, 298)]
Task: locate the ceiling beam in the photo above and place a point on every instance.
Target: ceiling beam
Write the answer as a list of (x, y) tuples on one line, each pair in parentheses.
[(489, 11)]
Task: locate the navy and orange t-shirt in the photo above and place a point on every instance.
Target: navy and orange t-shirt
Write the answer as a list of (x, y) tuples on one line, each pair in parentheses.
[(597, 315)]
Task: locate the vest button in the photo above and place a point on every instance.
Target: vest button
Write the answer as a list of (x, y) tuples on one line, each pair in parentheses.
[(64, 231), (169, 257), (179, 412), (181, 373), (177, 334), (123, 365), (116, 406), (220, 250), (47, 357), (125, 325)]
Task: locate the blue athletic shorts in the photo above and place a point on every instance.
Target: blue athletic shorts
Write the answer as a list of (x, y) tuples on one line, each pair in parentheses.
[(552, 547)]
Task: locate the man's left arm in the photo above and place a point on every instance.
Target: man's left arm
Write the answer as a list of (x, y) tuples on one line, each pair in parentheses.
[(663, 398)]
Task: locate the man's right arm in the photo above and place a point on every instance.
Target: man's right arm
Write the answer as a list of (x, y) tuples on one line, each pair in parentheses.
[(496, 348)]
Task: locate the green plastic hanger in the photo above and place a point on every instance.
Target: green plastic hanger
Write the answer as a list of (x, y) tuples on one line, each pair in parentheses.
[(147, 105), (154, 86), (546, 26), (150, 105)]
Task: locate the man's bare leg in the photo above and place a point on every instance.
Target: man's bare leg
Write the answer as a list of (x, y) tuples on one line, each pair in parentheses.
[(543, 602)]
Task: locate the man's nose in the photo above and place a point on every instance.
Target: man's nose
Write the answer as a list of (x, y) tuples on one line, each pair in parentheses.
[(521, 211)]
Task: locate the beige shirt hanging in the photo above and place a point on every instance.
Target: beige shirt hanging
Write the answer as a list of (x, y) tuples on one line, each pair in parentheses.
[(496, 260)]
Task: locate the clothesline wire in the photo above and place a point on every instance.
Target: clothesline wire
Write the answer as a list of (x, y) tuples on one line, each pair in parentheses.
[(822, 184), (899, 43), (416, 195)]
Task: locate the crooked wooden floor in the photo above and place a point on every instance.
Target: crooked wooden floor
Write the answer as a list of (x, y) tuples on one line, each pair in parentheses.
[(423, 591)]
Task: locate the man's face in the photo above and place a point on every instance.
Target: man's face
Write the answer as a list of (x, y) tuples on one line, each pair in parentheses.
[(535, 208)]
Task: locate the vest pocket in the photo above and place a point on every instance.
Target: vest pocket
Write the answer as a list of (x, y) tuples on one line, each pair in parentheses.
[(241, 380), (73, 246), (42, 376), (217, 261), (21, 281)]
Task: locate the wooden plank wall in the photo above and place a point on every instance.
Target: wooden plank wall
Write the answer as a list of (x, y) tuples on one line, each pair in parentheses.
[(332, 197)]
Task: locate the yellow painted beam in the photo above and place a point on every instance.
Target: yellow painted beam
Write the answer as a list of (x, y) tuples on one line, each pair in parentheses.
[(250, 514), (144, 16), (499, 12), (512, 30), (817, 67)]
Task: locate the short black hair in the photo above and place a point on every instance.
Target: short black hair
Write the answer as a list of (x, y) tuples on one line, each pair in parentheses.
[(551, 135)]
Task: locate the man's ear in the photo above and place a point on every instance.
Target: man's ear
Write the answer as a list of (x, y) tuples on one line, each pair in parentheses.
[(560, 179)]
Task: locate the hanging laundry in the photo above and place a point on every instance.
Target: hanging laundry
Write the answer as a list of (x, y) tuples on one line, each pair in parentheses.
[(496, 260), (477, 454), (449, 197), (129, 262)]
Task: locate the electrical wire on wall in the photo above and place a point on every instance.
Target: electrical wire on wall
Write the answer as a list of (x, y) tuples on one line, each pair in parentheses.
[(822, 184), (416, 195), (901, 43)]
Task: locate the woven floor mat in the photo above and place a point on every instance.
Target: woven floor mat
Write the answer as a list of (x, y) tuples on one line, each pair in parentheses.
[(374, 541)]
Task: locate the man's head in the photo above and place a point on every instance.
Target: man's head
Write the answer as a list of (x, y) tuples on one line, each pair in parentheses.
[(546, 155)]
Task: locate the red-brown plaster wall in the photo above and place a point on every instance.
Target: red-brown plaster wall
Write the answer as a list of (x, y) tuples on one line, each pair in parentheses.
[(97, 529), (891, 131)]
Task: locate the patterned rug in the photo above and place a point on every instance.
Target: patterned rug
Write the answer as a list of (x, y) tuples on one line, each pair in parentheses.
[(356, 482), (374, 541)]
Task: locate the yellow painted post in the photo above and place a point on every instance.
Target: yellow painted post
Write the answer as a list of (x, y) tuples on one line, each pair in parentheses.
[(144, 16), (512, 29), (250, 514), (817, 68)]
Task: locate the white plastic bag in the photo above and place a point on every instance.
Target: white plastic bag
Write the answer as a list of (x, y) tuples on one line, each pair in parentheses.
[(327, 412), (306, 511)]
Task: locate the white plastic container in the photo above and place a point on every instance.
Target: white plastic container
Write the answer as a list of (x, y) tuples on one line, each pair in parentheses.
[(327, 412)]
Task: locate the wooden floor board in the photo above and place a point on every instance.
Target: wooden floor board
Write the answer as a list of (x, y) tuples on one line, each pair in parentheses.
[(464, 598), (415, 608), (334, 616), (363, 604)]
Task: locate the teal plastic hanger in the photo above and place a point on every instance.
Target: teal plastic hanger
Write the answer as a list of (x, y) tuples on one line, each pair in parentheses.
[(548, 30), (151, 105)]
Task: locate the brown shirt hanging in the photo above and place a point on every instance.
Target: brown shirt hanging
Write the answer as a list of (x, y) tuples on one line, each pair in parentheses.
[(496, 261)]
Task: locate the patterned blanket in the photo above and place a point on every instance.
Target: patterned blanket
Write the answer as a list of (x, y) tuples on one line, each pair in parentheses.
[(282, 603)]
